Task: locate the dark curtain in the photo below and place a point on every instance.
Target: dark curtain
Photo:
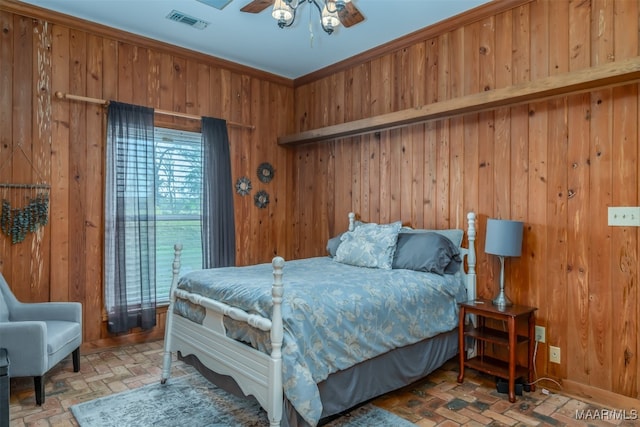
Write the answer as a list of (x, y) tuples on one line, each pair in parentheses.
[(130, 236), (218, 224)]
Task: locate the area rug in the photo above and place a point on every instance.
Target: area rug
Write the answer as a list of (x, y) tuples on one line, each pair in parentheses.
[(191, 400)]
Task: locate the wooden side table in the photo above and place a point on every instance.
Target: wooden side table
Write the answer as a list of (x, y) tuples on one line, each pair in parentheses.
[(508, 370)]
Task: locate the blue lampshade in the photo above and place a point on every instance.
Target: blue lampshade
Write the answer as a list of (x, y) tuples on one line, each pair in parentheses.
[(504, 237)]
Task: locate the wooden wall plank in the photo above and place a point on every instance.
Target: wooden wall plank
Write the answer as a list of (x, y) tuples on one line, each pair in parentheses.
[(110, 73), (416, 82), (59, 205), (557, 195), (442, 133), (41, 150), (600, 338), (578, 197), (535, 237), (535, 241), (94, 178), (431, 161), (339, 83), (456, 131), (179, 85), (518, 132), (22, 171), (493, 50), (78, 168), (430, 180), (283, 100), (600, 239), (379, 85), (6, 136), (404, 99)]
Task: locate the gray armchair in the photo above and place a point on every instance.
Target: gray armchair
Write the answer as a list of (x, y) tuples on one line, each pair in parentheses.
[(38, 335)]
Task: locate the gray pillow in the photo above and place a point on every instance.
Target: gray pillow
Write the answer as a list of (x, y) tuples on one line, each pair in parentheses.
[(426, 251), (453, 234), (332, 245)]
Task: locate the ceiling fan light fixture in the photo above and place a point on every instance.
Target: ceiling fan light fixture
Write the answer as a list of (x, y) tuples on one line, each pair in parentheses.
[(283, 13), (330, 20), (333, 13), (341, 4)]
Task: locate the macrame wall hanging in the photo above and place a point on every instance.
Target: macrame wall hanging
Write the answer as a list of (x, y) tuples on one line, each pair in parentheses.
[(25, 208)]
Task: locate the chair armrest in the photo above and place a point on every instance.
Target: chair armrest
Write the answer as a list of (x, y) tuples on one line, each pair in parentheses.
[(26, 344), (67, 311)]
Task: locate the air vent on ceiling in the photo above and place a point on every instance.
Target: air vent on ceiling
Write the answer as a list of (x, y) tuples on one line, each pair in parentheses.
[(218, 4), (186, 19)]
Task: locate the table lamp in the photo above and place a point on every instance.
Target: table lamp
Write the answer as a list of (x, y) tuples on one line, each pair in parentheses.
[(504, 239)]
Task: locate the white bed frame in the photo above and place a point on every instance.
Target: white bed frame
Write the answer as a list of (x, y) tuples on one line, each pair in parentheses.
[(256, 373)]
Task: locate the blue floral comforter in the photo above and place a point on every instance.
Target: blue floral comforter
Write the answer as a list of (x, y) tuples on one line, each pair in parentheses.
[(335, 315)]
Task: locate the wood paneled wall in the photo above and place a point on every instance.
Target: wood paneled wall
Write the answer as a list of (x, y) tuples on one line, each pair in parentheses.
[(555, 164), (60, 142)]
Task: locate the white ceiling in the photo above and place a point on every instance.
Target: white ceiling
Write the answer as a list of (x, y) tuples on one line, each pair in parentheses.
[(255, 39)]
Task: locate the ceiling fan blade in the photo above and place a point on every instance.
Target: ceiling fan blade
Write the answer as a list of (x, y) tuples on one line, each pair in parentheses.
[(350, 15), (256, 6)]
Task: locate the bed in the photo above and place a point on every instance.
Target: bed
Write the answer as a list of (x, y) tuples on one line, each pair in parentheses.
[(332, 332)]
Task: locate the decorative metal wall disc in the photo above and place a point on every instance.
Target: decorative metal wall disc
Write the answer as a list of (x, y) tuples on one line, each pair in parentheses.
[(265, 172), (261, 199), (243, 186)]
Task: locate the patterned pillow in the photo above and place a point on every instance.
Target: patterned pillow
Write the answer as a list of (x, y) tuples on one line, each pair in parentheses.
[(334, 242), (369, 245)]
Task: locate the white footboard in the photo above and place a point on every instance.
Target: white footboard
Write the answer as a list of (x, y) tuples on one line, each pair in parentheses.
[(256, 373)]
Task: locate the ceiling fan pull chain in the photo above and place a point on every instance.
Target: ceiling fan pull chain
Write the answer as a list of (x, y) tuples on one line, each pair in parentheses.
[(310, 30)]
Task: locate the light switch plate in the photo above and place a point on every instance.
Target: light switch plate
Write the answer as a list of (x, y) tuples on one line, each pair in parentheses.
[(624, 216)]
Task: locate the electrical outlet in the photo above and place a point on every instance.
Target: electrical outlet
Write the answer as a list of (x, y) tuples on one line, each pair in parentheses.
[(554, 354), (540, 333)]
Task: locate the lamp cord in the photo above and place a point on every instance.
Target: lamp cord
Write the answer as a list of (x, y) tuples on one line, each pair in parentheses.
[(535, 372)]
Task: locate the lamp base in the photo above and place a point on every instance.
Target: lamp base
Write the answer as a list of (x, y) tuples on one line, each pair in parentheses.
[(501, 300)]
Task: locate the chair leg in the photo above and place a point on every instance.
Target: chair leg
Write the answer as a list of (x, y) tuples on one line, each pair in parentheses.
[(76, 359), (39, 385)]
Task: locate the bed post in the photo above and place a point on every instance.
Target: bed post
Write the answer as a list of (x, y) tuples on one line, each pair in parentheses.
[(471, 278), (352, 221), (277, 333), (166, 365), (471, 256)]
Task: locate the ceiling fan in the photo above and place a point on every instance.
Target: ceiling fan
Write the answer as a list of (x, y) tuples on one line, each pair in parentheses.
[(333, 12)]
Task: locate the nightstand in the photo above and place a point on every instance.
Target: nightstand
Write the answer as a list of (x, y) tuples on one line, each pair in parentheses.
[(509, 370)]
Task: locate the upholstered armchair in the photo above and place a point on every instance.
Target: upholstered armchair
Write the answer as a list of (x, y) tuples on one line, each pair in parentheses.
[(38, 335)]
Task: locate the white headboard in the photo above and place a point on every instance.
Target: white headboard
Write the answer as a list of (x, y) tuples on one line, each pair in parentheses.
[(468, 253)]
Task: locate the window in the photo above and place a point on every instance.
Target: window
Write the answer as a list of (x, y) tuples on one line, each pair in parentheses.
[(178, 203), (155, 189)]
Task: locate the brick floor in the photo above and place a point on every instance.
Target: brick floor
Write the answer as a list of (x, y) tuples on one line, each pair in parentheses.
[(437, 400)]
